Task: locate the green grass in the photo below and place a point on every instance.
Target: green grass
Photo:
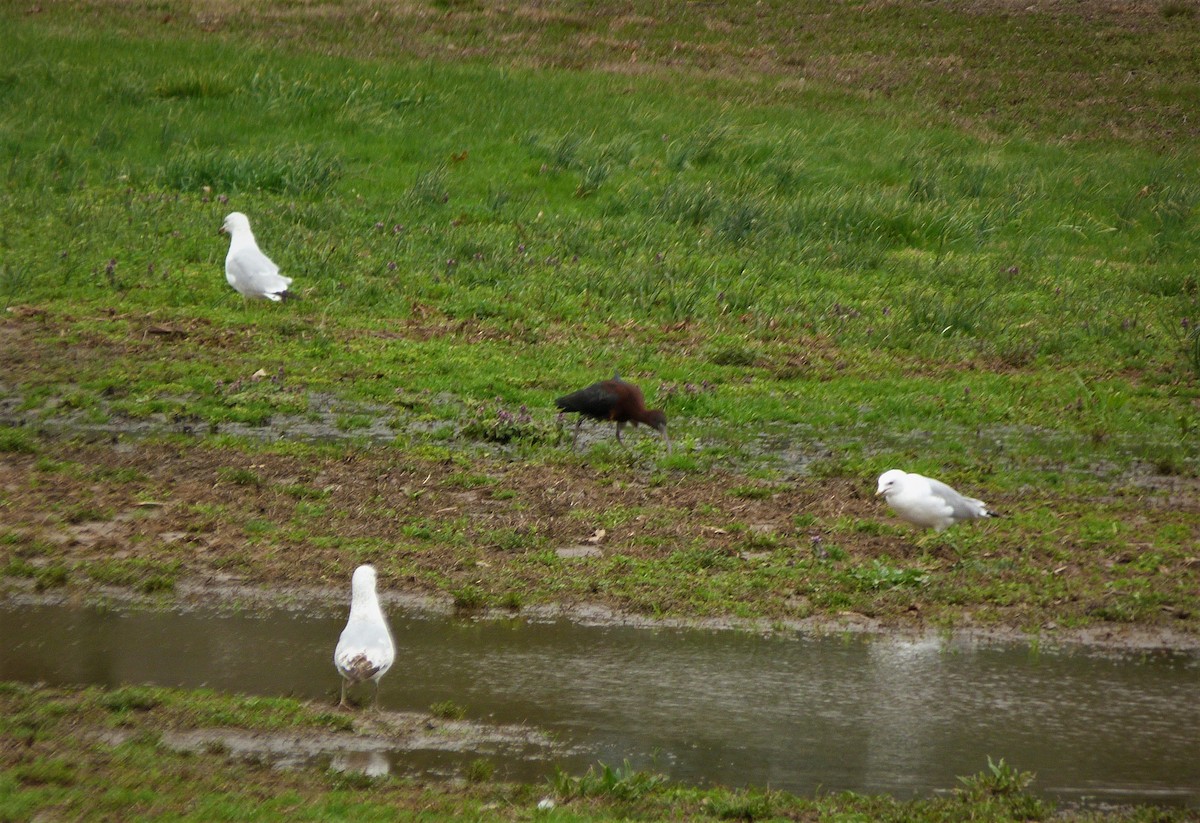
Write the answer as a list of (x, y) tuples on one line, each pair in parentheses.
[(888, 246)]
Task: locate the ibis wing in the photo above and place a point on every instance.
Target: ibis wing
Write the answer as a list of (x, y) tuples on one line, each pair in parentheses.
[(597, 400)]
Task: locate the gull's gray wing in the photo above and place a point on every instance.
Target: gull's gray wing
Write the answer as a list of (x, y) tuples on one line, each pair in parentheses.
[(963, 507), (256, 272)]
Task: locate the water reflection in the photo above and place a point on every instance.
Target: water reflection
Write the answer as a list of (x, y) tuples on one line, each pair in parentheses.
[(790, 713), (372, 764)]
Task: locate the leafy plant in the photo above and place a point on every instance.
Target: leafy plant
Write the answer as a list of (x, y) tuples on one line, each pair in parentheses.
[(880, 575), (497, 424), (623, 782), (999, 779)]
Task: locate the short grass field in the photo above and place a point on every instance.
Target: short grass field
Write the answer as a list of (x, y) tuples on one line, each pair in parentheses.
[(827, 239)]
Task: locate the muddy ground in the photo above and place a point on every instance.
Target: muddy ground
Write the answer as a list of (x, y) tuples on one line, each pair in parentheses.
[(149, 500), (179, 522)]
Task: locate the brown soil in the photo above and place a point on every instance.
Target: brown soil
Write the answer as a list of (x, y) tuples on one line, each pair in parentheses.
[(225, 522), (194, 504)]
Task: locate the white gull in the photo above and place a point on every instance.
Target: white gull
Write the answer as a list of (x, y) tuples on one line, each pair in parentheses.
[(247, 269), (926, 502), (365, 650)]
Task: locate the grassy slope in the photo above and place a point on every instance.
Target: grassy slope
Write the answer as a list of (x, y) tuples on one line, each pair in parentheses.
[(864, 231)]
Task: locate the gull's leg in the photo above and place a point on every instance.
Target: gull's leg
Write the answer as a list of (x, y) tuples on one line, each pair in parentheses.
[(342, 702)]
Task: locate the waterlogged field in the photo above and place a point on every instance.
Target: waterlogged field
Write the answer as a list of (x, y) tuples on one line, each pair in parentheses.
[(827, 239), (146, 753)]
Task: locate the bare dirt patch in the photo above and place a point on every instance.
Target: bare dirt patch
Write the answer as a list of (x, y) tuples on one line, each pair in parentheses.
[(204, 498), (160, 517)]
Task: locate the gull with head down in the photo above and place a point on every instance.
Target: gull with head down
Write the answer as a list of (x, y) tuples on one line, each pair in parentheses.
[(365, 650), (926, 502)]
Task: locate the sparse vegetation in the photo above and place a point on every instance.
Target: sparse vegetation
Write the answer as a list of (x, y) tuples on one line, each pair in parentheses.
[(448, 710), (620, 783), (83, 752)]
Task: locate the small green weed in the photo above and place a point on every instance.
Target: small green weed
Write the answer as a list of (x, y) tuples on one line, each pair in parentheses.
[(469, 480), (355, 781), (880, 575), (84, 513), (191, 85), (752, 492), (51, 577), (295, 170), (448, 710), (16, 441), (354, 422), (303, 492), (130, 698), (17, 567), (1004, 786), (743, 805), (469, 597), (512, 540), (145, 575), (430, 188), (999, 779), (622, 783), (1178, 8), (239, 477), (479, 770), (45, 771)]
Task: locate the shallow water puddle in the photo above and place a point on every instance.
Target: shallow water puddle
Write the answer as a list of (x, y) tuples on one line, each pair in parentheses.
[(402, 743), (788, 712)]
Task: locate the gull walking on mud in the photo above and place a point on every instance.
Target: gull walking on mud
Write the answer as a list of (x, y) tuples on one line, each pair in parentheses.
[(365, 650)]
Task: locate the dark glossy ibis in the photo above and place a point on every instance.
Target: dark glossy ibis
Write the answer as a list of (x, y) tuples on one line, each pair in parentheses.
[(613, 400)]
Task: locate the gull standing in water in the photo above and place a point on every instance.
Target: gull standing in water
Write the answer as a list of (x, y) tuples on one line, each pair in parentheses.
[(365, 650)]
